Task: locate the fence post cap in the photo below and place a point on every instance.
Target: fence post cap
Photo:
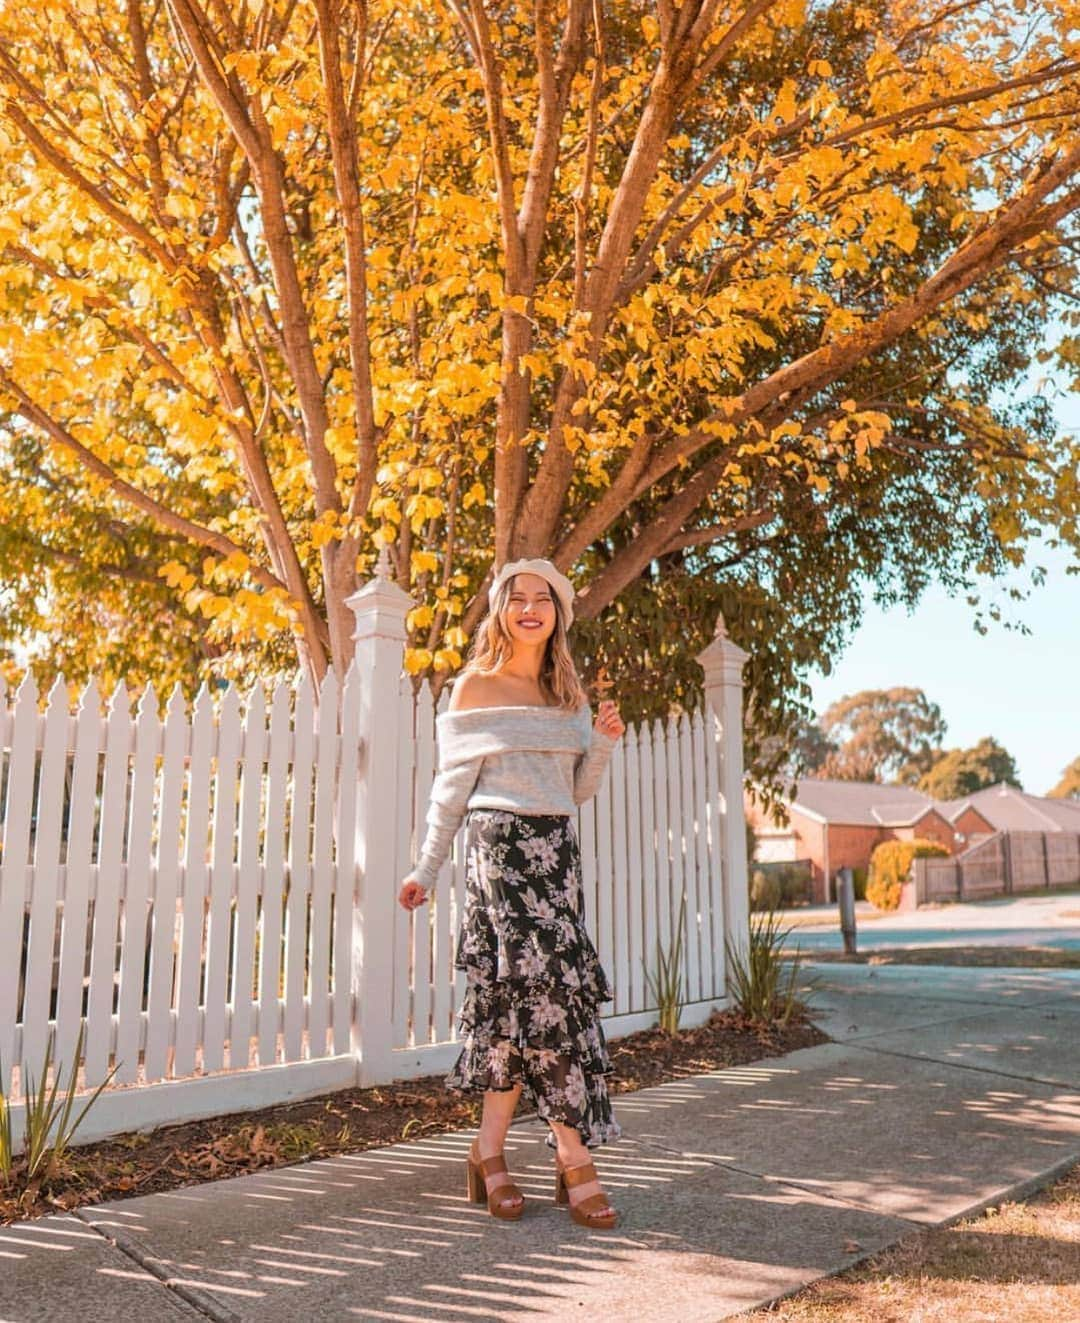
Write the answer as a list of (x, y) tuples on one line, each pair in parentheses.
[(722, 658), (380, 606)]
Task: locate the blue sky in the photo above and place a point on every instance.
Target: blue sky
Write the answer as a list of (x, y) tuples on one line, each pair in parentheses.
[(1024, 690)]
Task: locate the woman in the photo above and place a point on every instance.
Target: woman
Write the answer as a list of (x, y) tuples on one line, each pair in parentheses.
[(517, 753)]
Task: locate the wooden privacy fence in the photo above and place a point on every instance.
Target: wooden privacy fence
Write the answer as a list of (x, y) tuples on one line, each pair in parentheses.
[(209, 894), (1003, 863)]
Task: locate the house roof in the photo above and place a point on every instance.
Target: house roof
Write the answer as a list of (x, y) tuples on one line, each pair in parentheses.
[(867, 804), (860, 803), (1007, 809)]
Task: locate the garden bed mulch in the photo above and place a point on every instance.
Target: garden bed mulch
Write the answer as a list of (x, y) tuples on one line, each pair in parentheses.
[(351, 1120)]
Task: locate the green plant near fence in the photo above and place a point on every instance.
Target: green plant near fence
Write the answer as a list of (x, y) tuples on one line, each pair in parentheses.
[(666, 983), (764, 978), (49, 1129)]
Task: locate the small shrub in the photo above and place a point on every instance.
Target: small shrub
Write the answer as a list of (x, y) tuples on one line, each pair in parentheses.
[(762, 988), (889, 867), (666, 984), (766, 890), (48, 1119), (859, 878)]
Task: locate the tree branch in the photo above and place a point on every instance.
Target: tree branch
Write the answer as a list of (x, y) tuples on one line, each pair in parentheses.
[(175, 523)]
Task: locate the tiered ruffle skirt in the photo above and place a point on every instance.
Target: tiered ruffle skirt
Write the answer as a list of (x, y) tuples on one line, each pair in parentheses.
[(534, 983)]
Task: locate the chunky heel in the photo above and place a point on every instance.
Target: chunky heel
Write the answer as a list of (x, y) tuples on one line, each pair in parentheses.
[(478, 1169), (562, 1194), (477, 1190)]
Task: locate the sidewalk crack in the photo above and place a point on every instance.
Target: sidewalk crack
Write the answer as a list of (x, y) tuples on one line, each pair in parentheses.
[(133, 1250)]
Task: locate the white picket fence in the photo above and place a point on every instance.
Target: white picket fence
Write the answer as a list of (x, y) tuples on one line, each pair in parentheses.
[(208, 895)]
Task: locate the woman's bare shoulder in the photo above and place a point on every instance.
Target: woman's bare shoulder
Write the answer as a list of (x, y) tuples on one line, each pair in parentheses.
[(470, 689)]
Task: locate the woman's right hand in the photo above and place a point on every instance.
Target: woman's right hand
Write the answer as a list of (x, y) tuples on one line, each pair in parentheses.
[(411, 894)]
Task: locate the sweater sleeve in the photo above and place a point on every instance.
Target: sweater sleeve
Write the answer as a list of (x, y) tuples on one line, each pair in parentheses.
[(450, 793), (589, 768)]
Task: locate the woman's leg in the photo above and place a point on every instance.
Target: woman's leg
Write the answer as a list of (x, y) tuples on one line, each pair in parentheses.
[(495, 1119), (573, 1153)]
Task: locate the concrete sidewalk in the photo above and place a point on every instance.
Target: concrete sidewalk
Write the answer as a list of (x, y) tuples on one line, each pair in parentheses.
[(945, 1090)]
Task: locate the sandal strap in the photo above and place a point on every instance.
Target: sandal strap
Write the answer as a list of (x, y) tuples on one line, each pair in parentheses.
[(493, 1166), (489, 1166), (593, 1203), (579, 1175)]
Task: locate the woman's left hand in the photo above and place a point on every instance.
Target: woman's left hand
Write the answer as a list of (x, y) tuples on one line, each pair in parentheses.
[(608, 722)]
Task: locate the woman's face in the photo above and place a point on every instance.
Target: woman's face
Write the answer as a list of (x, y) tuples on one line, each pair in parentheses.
[(530, 611)]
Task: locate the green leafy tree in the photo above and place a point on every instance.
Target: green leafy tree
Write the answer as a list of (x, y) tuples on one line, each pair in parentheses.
[(963, 771), (882, 735)]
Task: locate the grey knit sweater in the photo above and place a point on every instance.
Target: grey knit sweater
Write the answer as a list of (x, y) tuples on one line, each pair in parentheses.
[(525, 758)]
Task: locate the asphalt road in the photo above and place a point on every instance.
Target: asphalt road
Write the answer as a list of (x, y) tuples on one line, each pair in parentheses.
[(1052, 920)]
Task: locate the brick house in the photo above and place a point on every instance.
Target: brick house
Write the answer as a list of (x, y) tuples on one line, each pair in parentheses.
[(837, 824), (1004, 808)]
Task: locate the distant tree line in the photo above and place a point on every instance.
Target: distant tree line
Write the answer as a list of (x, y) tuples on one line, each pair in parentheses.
[(897, 736)]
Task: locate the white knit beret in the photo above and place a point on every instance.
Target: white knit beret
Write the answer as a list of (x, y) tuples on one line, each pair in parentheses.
[(563, 588)]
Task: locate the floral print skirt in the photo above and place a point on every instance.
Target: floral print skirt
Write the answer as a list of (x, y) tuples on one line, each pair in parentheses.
[(534, 981)]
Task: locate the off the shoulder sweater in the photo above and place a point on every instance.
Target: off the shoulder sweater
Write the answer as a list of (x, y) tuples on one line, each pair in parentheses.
[(524, 758)]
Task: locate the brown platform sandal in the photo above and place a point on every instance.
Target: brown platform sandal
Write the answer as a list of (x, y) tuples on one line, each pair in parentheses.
[(586, 1212), (478, 1169)]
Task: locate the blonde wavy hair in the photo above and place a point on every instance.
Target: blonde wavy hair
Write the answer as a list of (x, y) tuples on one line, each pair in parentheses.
[(492, 647)]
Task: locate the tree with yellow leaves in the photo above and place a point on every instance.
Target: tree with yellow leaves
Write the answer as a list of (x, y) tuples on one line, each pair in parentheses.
[(720, 303)]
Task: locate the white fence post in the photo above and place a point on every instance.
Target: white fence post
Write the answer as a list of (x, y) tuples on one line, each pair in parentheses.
[(723, 661), (380, 608)]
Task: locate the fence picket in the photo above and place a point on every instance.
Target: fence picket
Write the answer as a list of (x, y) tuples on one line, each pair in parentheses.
[(248, 879), (715, 840), (322, 870), (402, 830), (114, 794), (273, 895), (692, 944), (647, 802), (430, 1012), (193, 901), (345, 1036), (620, 927), (160, 1034), (605, 882), (663, 834), (14, 865), (80, 842), (701, 856), (633, 890), (133, 945), (43, 897), (296, 909), (677, 873), (455, 892), (219, 910), (586, 830)]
